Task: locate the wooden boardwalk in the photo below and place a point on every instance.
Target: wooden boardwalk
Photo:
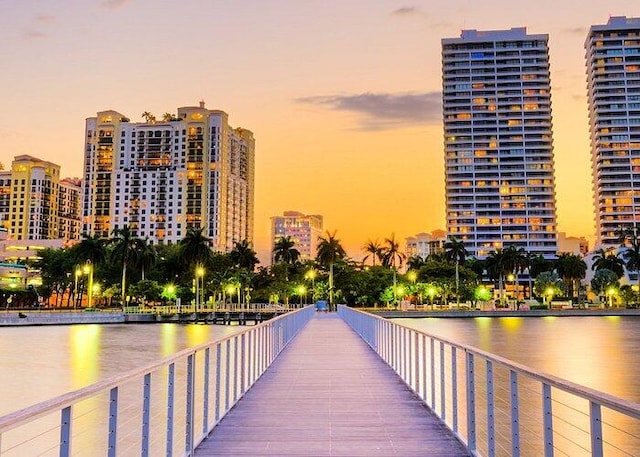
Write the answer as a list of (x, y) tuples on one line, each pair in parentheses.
[(329, 394)]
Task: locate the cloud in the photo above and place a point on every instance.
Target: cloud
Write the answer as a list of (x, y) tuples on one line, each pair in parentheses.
[(34, 35), (385, 111), (114, 4), (406, 11), (44, 18), (575, 31)]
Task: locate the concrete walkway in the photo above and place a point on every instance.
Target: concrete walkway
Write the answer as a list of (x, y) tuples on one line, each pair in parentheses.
[(329, 394)]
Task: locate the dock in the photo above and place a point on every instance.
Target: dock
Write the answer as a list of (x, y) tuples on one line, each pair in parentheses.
[(329, 394)]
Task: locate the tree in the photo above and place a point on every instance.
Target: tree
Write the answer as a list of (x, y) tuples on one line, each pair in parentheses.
[(148, 117), (329, 251), (374, 251), (631, 257), (547, 284), (125, 245), (91, 248), (415, 262), (243, 255), (536, 264), (497, 269), (603, 281), (455, 251), (195, 247), (571, 268), (608, 260), (515, 262), (146, 256), (392, 257), (284, 250)]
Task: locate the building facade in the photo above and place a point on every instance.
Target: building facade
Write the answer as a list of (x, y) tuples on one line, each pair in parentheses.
[(161, 177), (35, 204), (500, 187), (613, 77), (424, 244), (303, 229)]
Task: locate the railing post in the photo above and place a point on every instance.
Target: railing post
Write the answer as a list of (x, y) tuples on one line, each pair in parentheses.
[(454, 389), (443, 385), (595, 415), (189, 405), (65, 432), (471, 404), (146, 410), (515, 415), (491, 432), (235, 369), (227, 375), (170, 393), (547, 420), (425, 385), (416, 362), (432, 352), (113, 422), (216, 413), (205, 393), (243, 361)]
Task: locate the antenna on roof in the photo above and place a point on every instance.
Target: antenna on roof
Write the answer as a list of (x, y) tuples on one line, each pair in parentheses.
[(201, 103)]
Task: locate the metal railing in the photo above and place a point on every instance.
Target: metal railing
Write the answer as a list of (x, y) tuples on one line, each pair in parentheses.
[(166, 408), (496, 406), (211, 308)]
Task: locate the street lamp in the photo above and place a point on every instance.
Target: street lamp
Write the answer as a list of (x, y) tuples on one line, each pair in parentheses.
[(78, 273), (88, 270), (431, 292), (611, 291), (199, 276), (549, 292), (230, 289), (301, 290), (311, 274)]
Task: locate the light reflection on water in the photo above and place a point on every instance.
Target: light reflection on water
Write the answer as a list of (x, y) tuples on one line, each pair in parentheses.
[(39, 363)]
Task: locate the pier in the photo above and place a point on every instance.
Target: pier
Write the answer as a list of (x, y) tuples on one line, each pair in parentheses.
[(329, 394)]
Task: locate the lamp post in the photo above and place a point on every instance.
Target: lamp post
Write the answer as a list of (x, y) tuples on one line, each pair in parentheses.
[(199, 276), (230, 289), (301, 290), (78, 273), (311, 274), (88, 270)]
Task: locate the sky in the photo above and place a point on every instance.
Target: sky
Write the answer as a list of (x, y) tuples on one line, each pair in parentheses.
[(343, 97)]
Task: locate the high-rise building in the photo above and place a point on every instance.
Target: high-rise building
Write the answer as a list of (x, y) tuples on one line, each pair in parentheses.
[(161, 177), (303, 229), (500, 187), (35, 204), (613, 75)]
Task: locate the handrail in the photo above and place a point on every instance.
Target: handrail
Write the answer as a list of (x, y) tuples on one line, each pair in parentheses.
[(413, 355), (235, 361)]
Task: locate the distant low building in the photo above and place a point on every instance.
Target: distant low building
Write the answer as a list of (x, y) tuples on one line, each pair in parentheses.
[(572, 244), (423, 244)]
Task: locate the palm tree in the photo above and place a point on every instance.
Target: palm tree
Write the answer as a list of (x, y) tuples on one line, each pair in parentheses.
[(91, 248), (150, 118), (330, 250), (515, 262), (608, 260), (195, 247), (496, 269), (125, 245), (373, 250), (455, 250), (631, 257), (415, 262), (243, 256), (146, 256), (284, 250), (571, 268), (391, 253)]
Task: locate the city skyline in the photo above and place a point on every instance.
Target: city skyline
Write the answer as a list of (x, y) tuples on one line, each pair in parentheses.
[(344, 102)]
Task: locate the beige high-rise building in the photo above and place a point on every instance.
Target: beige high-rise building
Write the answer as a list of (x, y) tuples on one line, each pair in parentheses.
[(163, 176), (35, 204), (303, 229)]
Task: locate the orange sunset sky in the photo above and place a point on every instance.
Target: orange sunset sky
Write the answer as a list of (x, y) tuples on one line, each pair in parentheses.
[(343, 96)]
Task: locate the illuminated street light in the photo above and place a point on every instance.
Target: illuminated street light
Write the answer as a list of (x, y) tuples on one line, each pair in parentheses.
[(88, 270), (311, 274), (431, 292), (199, 279), (78, 273), (611, 292), (301, 290)]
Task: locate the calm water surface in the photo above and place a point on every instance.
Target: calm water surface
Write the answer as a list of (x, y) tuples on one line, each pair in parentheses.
[(599, 352), (39, 363)]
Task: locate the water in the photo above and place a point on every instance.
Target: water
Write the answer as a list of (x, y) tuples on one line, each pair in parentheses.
[(598, 352), (39, 363)]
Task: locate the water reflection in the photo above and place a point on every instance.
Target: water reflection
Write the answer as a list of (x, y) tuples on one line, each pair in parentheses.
[(40, 363), (599, 352)]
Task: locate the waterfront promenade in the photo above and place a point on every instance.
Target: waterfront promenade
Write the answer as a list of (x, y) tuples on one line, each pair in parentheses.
[(329, 394)]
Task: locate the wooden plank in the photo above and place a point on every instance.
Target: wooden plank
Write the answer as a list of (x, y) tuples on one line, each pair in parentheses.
[(329, 394)]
